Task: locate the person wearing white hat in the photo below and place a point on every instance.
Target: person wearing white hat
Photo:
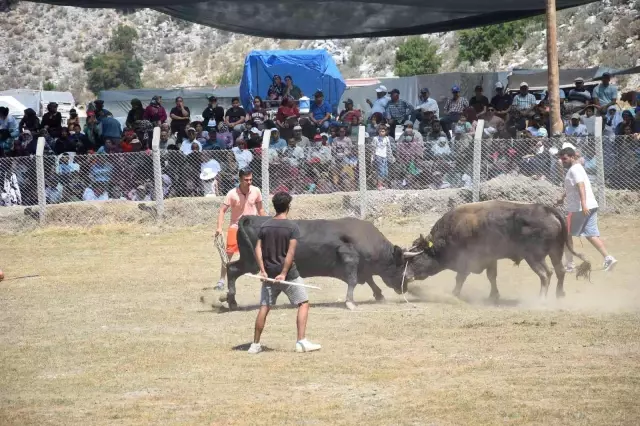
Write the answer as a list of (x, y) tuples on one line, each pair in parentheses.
[(501, 102), (582, 208), (575, 128), (187, 143), (381, 102), (524, 100), (208, 174)]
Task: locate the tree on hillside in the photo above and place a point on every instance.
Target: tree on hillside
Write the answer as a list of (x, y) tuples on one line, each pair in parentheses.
[(118, 67), (417, 56)]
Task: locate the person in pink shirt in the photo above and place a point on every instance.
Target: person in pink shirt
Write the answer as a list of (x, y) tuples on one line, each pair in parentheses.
[(245, 200)]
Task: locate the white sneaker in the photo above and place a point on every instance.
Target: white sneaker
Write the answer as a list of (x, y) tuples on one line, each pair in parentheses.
[(609, 263), (220, 285), (570, 268), (306, 346), (255, 348)]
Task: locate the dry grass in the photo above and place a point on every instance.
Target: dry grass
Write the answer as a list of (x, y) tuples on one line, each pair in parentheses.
[(113, 333)]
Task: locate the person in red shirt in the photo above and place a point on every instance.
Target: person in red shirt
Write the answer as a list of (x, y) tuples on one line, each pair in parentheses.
[(346, 116), (287, 117)]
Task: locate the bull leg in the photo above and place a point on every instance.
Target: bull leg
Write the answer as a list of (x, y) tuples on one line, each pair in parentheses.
[(349, 258), (233, 272), (460, 279), (492, 274), (377, 293), (541, 269), (556, 261)]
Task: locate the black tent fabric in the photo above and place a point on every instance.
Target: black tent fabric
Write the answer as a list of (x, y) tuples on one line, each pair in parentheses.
[(313, 19)]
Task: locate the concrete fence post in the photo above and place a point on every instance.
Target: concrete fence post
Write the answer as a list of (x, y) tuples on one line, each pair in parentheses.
[(42, 194), (477, 160), (362, 172), (157, 173), (600, 183), (266, 190)]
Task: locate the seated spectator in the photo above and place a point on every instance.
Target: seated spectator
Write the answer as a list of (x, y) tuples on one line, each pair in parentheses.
[(589, 119), (438, 182), (579, 93), (319, 116), (632, 126), (319, 153), (30, 121), (110, 147), (243, 156), (255, 138), (258, 114), (382, 156), (398, 111), (73, 119), (354, 127), (453, 109), (25, 145), (575, 128), (375, 121), (410, 145), (63, 142), (52, 119), (187, 144), (502, 160), (291, 89), (275, 141), (212, 142), (10, 194), (212, 115), (426, 103), (165, 140), (605, 94), (409, 135), (501, 102), (441, 149), (435, 133), (276, 90), (479, 102), (611, 120), (536, 162), (201, 134), (235, 116), (287, 117), (155, 112), (493, 125), (93, 130), (8, 122), (224, 137), (462, 126), (125, 143), (95, 192), (141, 192), (428, 117), (101, 171), (348, 114), (536, 128), (180, 118), (301, 140)]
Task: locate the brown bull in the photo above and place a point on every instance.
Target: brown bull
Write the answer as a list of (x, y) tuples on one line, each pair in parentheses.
[(473, 237)]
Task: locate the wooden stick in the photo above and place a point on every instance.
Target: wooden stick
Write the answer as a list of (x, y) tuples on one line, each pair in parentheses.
[(271, 280)]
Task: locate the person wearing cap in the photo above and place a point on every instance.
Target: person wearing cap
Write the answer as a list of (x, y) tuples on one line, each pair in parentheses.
[(254, 139), (291, 89), (213, 114), (380, 104), (235, 116), (301, 140), (180, 117), (319, 115), (347, 114), (524, 101), (155, 112), (52, 119), (579, 93), (582, 208), (453, 109), (575, 128), (536, 128), (187, 143), (501, 102), (426, 103), (398, 111), (605, 94), (478, 101)]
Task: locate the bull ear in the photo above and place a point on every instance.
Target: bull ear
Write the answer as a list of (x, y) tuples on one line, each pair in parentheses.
[(398, 256)]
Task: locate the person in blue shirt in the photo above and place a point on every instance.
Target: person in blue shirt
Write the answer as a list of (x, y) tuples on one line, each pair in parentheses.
[(319, 115), (8, 121), (111, 128), (276, 142)]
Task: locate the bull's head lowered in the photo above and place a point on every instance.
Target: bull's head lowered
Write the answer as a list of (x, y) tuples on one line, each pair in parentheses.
[(395, 273), (423, 258)]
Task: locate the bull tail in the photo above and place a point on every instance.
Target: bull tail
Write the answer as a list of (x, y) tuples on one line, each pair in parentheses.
[(244, 235), (584, 269)]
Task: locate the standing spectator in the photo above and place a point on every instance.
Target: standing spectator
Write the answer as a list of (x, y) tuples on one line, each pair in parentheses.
[(258, 114), (111, 128), (380, 104), (398, 111), (155, 112), (319, 115), (73, 118), (101, 113), (235, 116), (291, 89), (579, 93), (453, 109), (426, 103), (348, 113), (501, 102), (93, 130), (180, 117), (136, 113), (52, 119), (382, 156), (30, 121), (276, 90), (605, 94), (213, 114), (8, 122), (479, 102)]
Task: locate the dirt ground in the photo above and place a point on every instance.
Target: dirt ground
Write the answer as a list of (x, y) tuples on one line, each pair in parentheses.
[(112, 332)]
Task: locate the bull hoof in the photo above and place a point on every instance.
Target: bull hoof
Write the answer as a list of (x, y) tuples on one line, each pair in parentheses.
[(494, 297), (560, 294), (223, 298), (379, 298), (351, 306), (233, 306)]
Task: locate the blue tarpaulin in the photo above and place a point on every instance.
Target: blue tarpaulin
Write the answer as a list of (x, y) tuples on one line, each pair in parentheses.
[(311, 70)]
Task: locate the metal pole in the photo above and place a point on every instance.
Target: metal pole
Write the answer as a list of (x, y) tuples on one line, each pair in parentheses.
[(42, 194), (477, 161), (553, 70), (600, 183), (266, 190), (362, 172), (157, 172)]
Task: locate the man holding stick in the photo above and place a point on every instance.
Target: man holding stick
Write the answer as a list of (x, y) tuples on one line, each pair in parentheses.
[(275, 250)]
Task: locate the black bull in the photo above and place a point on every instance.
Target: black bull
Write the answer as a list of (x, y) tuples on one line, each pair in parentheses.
[(348, 249), (473, 237)]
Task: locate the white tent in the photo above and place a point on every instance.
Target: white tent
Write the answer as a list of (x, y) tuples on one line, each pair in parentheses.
[(16, 108)]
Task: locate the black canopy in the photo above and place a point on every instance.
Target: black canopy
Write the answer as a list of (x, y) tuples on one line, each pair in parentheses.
[(312, 19)]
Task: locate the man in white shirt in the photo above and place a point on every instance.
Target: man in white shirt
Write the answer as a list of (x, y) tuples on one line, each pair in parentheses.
[(576, 128), (582, 208), (381, 102)]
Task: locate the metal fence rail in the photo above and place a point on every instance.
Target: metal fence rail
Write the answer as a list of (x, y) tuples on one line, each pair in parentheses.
[(345, 178)]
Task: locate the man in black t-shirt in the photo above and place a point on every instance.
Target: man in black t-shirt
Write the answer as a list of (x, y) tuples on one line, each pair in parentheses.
[(275, 251), (180, 117), (213, 115), (479, 102), (235, 116)]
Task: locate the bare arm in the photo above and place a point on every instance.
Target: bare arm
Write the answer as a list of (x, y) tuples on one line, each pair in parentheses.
[(260, 207), (583, 198), (223, 210), (288, 261), (263, 272)]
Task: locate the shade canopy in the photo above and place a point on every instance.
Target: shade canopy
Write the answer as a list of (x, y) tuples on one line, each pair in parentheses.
[(309, 19)]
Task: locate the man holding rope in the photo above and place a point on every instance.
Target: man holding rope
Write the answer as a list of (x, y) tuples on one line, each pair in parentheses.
[(246, 200), (275, 251)]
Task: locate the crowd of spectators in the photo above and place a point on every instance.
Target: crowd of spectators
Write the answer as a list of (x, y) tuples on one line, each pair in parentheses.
[(314, 151)]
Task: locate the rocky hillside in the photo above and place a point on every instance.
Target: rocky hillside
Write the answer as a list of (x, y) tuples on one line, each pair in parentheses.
[(49, 44)]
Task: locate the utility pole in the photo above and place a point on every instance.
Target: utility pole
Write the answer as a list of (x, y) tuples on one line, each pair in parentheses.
[(553, 70)]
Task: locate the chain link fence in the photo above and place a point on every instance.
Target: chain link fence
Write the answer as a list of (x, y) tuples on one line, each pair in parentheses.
[(371, 177)]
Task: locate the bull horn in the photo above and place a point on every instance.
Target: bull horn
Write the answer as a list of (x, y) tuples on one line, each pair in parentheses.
[(411, 254)]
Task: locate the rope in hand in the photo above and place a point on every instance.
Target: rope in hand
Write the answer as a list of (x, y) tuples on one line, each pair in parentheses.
[(222, 249)]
